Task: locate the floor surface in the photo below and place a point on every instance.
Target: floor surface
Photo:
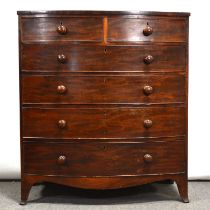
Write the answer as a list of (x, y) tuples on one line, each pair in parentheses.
[(146, 197)]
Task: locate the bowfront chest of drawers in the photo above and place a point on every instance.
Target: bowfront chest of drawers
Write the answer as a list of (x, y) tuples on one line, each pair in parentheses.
[(103, 98)]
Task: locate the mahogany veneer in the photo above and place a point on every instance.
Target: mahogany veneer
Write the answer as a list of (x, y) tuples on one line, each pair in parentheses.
[(103, 98), (102, 58)]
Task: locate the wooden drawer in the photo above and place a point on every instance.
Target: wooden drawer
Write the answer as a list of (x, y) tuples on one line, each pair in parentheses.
[(161, 29), (104, 159), (103, 122), (44, 57), (77, 29), (103, 89)]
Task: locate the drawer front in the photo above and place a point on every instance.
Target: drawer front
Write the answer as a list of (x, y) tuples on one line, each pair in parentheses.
[(66, 57), (103, 123), (104, 159), (62, 28), (147, 29), (103, 89)]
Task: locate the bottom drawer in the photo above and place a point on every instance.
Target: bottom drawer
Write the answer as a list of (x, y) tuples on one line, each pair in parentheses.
[(103, 159)]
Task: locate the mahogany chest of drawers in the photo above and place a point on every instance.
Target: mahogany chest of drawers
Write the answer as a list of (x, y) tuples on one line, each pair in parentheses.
[(103, 98)]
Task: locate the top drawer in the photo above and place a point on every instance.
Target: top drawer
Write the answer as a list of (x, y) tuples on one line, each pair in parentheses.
[(146, 29), (62, 28)]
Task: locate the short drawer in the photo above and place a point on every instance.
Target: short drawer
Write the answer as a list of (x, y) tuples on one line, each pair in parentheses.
[(147, 29), (103, 122), (71, 58), (103, 89), (61, 28), (103, 159)]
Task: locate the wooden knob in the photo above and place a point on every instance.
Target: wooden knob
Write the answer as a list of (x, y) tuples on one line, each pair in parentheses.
[(148, 158), (61, 160), (61, 29), (147, 123), (62, 123), (61, 89), (148, 59), (147, 30), (148, 90), (62, 58)]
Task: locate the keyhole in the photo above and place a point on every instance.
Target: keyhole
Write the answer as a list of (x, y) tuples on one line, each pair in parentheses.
[(105, 50)]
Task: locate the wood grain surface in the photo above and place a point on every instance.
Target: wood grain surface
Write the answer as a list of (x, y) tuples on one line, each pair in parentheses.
[(101, 58), (103, 89), (78, 28), (104, 159)]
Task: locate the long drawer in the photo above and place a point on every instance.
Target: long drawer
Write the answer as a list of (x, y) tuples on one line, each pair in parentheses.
[(103, 122), (66, 57), (62, 28), (147, 29), (103, 89), (104, 159)]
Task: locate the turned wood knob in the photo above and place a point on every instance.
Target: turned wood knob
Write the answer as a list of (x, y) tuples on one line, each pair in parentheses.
[(147, 123), (148, 90), (147, 30), (61, 89), (61, 160), (148, 158), (148, 59), (61, 123), (62, 58), (61, 29)]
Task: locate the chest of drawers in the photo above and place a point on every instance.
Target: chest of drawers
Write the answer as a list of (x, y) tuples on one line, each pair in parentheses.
[(103, 98)]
